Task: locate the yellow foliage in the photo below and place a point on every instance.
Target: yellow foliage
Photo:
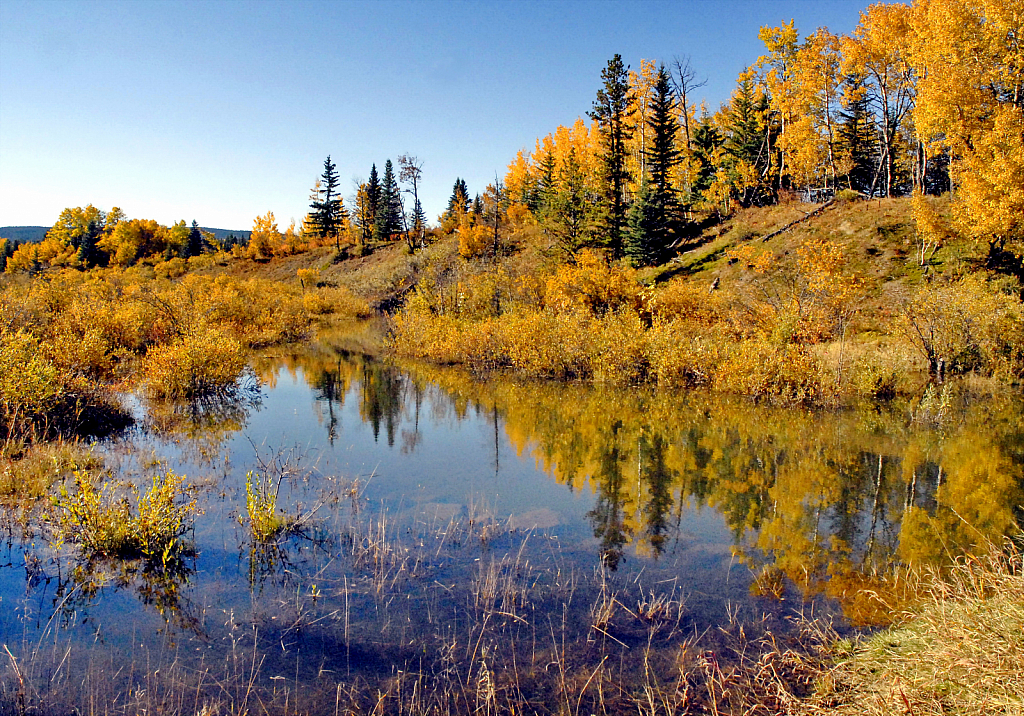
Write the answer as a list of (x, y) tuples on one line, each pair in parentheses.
[(201, 363), (592, 285)]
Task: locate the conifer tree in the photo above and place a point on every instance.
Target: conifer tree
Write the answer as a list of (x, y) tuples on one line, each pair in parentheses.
[(858, 136), (746, 146), (194, 245), (374, 195), (662, 156), (611, 112), (458, 202), (388, 220), (646, 227), (329, 214), (568, 217)]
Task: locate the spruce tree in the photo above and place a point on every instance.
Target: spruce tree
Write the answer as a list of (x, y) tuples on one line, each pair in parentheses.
[(646, 228), (458, 202), (89, 254), (373, 199), (746, 141), (568, 217), (194, 245), (661, 158), (389, 208), (611, 111), (706, 141), (858, 136), (546, 188), (328, 213)]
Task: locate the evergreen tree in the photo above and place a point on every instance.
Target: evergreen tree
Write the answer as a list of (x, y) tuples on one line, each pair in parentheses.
[(611, 111), (389, 216), (458, 203), (478, 206), (646, 227), (195, 244), (568, 216), (663, 155), (328, 213), (419, 220), (546, 188), (88, 253), (706, 142), (858, 136), (746, 142), (373, 199)]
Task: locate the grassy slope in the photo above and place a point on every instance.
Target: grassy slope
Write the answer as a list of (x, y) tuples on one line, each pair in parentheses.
[(879, 236)]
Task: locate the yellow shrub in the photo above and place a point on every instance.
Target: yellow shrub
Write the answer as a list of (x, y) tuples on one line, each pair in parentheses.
[(592, 285), (28, 392), (206, 362), (764, 370), (679, 357), (337, 300), (686, 301)]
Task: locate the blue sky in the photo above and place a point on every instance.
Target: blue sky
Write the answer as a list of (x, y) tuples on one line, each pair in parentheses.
[(219, 111)]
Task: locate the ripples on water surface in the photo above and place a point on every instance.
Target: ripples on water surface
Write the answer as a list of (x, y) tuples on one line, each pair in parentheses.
[(451, 524)]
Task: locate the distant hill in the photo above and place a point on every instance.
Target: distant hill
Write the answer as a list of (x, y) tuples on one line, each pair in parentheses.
[(23, 234)]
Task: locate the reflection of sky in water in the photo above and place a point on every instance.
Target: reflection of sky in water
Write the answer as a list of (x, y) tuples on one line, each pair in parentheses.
[(695, 476), (441, 466)]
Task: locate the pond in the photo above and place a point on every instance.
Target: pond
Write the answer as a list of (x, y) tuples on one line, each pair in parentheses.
[(460, 544)]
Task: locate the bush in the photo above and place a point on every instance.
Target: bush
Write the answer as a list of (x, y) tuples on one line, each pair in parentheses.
[(115, 525), (206, 362), (764, 370)]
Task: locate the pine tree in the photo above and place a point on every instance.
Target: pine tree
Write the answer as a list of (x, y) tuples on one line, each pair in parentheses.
[(88, 254), (459, 200), (546, 188), (388, 220), (663, 155), (858, 136), (373, 199), (746, 143), (706, 142), (646, 228), (568, 216), (329, 214), (611, 111), (195, 244), (419, 221)]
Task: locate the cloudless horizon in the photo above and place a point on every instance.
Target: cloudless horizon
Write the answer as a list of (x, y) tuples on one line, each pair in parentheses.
[(219, 111)]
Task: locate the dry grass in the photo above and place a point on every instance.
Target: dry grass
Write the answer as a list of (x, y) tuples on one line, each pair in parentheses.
[(961, 651)]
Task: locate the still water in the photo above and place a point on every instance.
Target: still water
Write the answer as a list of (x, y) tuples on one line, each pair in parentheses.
[(445, 522)]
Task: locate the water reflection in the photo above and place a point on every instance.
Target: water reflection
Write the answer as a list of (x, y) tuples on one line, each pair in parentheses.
[(831, 500), (161, 585)]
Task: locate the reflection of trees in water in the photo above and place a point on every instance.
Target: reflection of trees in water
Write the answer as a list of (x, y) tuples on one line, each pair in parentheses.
[(829, 498), (607, 517), (659, 479), (204, 424), (817, 495), (381, 392)]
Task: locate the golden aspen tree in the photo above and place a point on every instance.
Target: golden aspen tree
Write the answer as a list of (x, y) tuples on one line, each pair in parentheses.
[(777, 75), (641, 89), (264, 237), (816, 86), (971, 99), (879, 50)]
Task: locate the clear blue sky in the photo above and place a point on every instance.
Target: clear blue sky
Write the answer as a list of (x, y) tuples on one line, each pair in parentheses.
[(219, 111)]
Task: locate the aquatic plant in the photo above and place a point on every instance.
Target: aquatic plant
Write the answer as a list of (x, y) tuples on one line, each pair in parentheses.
[(265, 521), (104, 518)]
